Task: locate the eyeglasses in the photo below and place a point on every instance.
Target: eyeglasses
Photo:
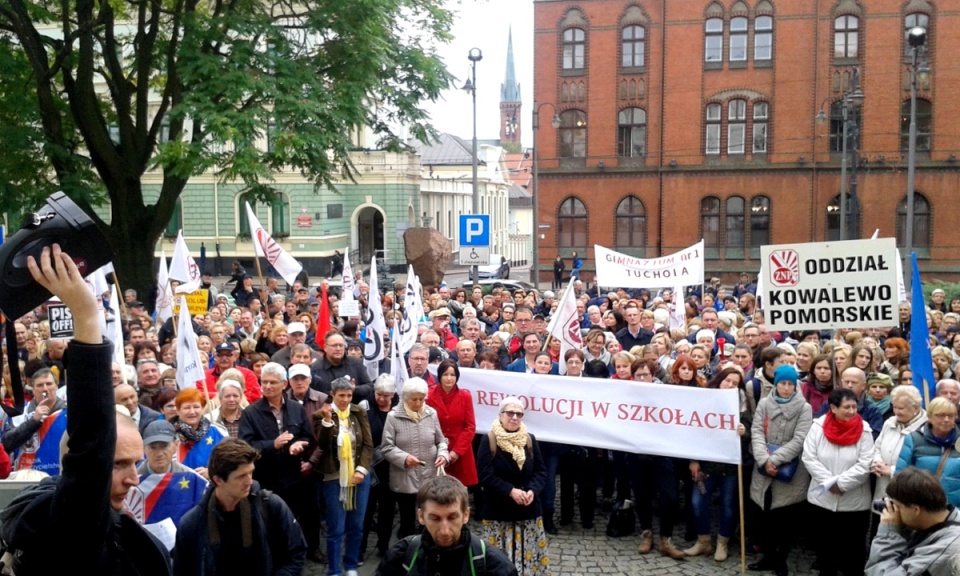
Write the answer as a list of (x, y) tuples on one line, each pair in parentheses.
[(645, 375), (512, 414)]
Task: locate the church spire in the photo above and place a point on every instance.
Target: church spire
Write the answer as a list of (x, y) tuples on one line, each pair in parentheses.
[(510, 101), (510, 90)]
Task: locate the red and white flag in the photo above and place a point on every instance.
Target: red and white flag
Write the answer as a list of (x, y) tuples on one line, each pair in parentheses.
[(285, 264), (190, 373), (183, 268), (164, 305), (565, 326), (678, 309)]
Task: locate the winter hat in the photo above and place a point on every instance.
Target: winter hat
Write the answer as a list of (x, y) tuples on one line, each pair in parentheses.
[(785, 372)]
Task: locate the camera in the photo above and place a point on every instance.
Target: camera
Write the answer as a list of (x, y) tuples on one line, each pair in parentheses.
[(880, 505), (59, 221)]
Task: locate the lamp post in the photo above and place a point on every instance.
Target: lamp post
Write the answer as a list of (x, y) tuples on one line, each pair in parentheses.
[(475, 55), (917, 38), (555, 122), (852, 100)]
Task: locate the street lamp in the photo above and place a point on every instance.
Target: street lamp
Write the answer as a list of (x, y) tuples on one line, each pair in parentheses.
[(917, 38), (555, 122), (475, 55), (852, 100)]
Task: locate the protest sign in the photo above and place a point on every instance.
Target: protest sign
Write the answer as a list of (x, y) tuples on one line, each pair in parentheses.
[(819, 285), (61, 320), (348, 308), (683, 268), (678, 421), (196, 302)]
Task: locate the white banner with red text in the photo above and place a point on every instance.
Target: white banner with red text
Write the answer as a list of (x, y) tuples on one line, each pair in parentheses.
[(661, 419), (683, 268)]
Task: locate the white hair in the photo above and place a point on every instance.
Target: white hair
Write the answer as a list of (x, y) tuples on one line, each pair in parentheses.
[(509, 401), (274, 369), (413, 386)]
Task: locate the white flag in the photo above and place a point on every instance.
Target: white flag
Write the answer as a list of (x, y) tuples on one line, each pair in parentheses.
[(901, 287), (190, 374), (183, 268), (678, 312), (759, 290), (97, 281), (398, 369), (285, 264), (406, 332), (349, 286), (164, 305), (116, 331), (375, 324), (565, 326)]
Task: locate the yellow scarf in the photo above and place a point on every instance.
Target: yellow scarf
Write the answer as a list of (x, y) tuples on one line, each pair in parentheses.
[(513, 443), (415, 416), (345, 452)]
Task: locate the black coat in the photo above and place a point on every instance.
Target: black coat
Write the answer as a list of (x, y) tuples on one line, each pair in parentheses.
[(499, 474), (277, 469), (432, 559), (628, 340), (76, 513), (325, 373)]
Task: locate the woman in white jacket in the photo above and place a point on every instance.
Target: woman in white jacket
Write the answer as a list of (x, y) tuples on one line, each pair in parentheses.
[(907, 417), (837, 453)]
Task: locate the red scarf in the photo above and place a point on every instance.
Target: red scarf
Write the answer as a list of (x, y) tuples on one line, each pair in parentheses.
[(843, 433)]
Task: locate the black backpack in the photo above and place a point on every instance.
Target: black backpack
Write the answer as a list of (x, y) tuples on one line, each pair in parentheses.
[(478, 555)]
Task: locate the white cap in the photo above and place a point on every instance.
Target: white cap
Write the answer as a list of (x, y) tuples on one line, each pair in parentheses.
[(298, 370), (294, 327)]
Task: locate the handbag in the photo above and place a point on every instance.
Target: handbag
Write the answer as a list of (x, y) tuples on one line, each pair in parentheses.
[(786, 470), (623, 520)]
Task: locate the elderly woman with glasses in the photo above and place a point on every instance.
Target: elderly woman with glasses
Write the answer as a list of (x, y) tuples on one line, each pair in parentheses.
[(512, 473), (414, 445)]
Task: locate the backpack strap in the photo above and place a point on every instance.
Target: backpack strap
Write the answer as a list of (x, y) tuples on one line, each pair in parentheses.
[(756, 390), (410, 558), (478, 556)]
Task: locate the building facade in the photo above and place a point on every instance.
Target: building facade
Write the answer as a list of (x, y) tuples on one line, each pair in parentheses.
[(682, 120)]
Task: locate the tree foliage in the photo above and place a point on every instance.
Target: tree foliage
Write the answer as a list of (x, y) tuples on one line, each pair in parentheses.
[(96, 93)]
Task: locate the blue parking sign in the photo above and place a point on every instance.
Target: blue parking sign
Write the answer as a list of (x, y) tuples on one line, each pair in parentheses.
[(474, 230)]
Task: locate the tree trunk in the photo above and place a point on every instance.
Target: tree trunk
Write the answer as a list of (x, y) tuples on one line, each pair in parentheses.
[(133, 248)]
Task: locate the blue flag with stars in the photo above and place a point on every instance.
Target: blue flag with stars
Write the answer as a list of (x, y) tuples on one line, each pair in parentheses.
[(162, 496), (921, 362), (196, 455)]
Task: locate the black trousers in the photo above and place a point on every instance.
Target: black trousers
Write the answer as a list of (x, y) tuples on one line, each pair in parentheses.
[(407, 503), (302, 499), (839, 541), (578, 467), (650, 476), (383, 503), (778, 530)]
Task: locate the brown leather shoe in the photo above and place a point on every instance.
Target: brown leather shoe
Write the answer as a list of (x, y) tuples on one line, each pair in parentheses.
[(667, 549), (646, 542)]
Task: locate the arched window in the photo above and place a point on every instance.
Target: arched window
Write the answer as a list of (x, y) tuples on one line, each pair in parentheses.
[(912, 21), (921, 224), (735, 221), (572, 224), (280, 216), (736, 126), (631, 223), (924, 124), (574, 48), (573, 134), (710, 226), (176, 221), (738, 39), (632, 47), (712, 144), (833, 218), (759, 224), (632, 134), (846, 36), (713, 40), (763, 38), (243, 225)]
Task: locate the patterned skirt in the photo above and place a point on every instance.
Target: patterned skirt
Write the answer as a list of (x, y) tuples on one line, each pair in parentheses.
[(524, 542)]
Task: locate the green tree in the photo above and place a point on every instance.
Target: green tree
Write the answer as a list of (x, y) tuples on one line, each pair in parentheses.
[(96, 93)]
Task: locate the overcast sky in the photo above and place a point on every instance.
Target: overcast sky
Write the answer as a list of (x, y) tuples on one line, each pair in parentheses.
[(484, 24)]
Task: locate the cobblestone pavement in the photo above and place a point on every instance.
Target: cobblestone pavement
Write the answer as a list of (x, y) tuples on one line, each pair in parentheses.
[(578, 552)]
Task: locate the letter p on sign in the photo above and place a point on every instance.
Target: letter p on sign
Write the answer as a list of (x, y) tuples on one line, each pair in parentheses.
[(474, 230)]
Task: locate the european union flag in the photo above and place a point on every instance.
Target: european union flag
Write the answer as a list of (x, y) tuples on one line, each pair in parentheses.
[(162, 496), (196, 455), (921, 363)]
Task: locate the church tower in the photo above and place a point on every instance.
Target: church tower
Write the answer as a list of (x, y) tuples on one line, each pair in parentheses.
[(510, 101)]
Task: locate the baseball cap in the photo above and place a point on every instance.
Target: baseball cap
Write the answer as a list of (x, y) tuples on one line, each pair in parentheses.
[(439, 312), (298, 370), (295, 327), (159, 431), (225, 347)]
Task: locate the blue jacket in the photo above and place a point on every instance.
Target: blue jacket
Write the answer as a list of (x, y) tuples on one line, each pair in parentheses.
[(521, 366), (921, 450)]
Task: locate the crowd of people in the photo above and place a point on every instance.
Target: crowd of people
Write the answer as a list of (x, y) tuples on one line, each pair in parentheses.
[(292, 429)]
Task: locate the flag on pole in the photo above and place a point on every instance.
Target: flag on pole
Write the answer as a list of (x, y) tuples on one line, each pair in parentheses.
[(323, 322), (398, 368), (376, 325), (901, 287), (349, 286), (183, 268), (285, 264), (405, 333), (116, 330), (678, 312), (164, 293), (97, 281), (190, 374), (565, 326), (921, 363), (760, 289)]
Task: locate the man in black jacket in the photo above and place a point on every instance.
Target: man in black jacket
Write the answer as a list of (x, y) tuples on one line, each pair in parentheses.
[(447, 546), (336, 364), (100, 464)]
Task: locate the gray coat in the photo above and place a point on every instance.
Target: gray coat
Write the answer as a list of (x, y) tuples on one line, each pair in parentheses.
[(403, 437), (931, 555), (787, 426)]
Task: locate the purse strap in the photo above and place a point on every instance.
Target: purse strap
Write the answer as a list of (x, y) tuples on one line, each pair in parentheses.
[(943, 462)]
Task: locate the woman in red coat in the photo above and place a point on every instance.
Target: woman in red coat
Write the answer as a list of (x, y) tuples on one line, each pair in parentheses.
[(455, 409)]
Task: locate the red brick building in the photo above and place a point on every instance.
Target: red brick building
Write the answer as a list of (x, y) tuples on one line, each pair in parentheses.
[(683, 119)]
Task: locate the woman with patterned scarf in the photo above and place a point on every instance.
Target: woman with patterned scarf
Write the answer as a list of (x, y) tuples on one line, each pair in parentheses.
[(512, 474), (197, 435), (837, 453), (343, 434)]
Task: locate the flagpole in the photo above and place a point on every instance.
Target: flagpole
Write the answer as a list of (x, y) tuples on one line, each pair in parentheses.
[(123, 305), (743, 529), (563, 295), (263, 285)]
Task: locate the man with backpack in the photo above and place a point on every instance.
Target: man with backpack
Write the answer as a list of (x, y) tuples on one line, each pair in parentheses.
[(447, 546)]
